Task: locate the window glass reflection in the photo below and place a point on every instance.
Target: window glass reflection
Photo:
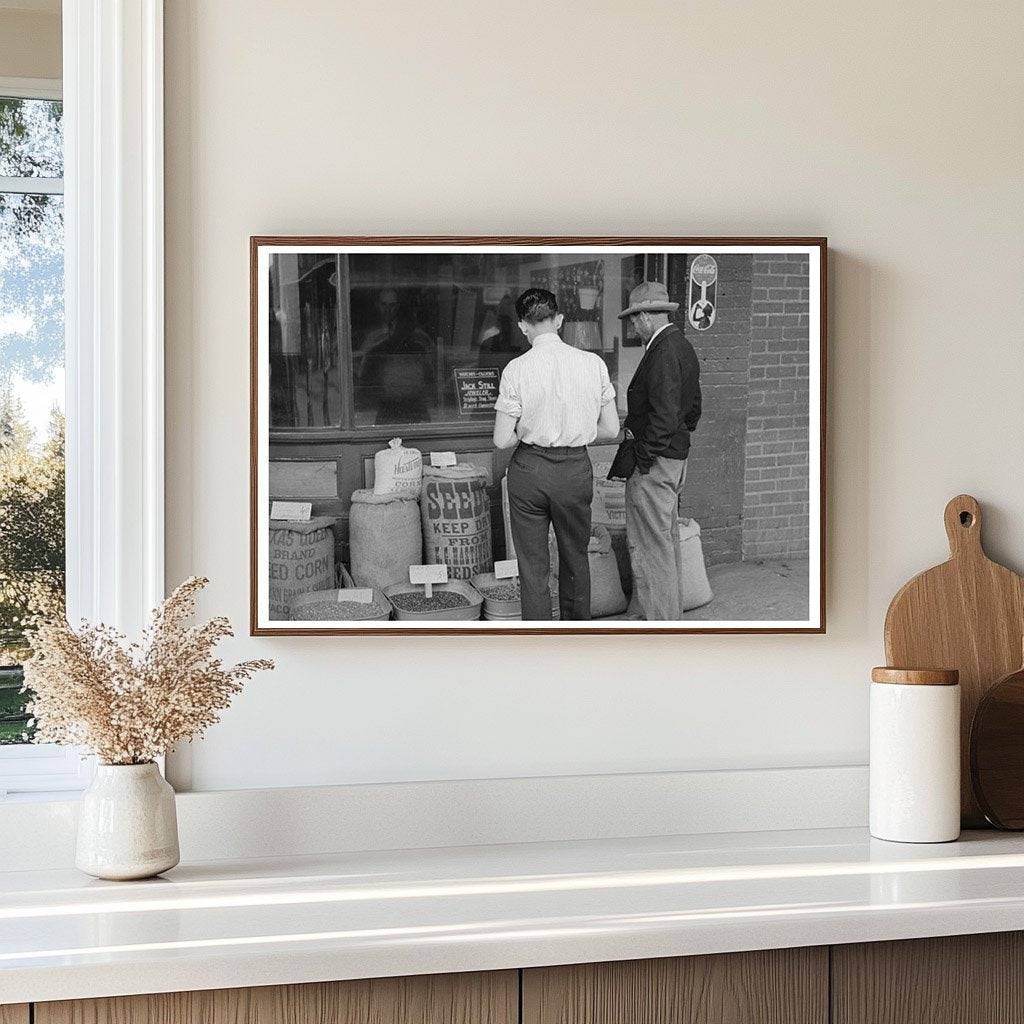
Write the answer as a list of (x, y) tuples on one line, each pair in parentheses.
[(366, 340), (306, 386)]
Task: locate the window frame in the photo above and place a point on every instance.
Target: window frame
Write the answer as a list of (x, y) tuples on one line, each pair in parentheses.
[(112, 90)]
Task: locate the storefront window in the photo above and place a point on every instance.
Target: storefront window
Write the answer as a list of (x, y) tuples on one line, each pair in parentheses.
[(305, 372), (362, 341)]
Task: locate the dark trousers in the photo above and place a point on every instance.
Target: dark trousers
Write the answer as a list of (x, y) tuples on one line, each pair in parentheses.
[(552, 487)]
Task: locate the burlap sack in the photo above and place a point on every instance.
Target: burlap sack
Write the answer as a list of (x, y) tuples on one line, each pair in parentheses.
[(694, 589), (456, 513), (384, 537), (606, 596), (301, 557), (397, 468)]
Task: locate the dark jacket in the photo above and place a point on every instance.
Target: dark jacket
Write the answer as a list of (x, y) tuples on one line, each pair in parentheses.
[(663, 401)]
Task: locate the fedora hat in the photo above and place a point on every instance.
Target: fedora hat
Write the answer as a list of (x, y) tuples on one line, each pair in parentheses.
[(649, 297)]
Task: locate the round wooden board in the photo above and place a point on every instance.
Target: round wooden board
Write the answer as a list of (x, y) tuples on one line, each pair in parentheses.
[(997, 753)]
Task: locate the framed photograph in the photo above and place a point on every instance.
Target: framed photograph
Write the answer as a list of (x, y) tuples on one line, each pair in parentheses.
[(537, 435)]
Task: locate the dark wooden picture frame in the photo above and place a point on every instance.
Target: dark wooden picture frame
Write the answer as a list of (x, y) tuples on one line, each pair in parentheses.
[(816, 623)]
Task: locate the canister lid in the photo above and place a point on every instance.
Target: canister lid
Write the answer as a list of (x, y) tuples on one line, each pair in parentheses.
[(916, 676)]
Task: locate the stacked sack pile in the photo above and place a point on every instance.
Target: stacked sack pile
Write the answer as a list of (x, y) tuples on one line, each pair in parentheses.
[(385, 536), (419, 515)]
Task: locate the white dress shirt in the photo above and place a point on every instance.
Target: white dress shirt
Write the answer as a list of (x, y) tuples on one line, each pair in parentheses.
[(556, 392)]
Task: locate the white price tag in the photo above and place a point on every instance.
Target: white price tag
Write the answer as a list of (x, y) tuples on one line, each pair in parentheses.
[(292, 511), (507, 569), (358, 595), (428, 575), (442, 459)]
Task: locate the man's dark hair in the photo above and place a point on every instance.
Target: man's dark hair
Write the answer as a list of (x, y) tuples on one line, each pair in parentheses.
[(536, 305)]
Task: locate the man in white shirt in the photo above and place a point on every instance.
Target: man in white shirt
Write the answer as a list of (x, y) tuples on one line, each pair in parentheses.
[(552, 402)]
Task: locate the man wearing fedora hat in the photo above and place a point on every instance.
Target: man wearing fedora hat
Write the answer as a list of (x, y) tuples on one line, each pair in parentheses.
[(663, 407)]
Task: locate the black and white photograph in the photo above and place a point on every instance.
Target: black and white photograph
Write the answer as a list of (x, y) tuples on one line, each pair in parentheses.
[(571, 435)]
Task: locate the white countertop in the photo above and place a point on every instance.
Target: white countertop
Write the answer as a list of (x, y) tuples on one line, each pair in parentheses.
[(262, 922)]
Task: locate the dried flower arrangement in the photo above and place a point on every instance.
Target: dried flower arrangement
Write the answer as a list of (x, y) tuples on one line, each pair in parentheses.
[(130, 703)]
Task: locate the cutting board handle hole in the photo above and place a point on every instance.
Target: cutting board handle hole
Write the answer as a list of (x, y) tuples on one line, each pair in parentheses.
[(962, 518)]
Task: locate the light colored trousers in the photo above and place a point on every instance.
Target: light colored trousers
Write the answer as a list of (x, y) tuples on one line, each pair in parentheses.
[(652, 525)]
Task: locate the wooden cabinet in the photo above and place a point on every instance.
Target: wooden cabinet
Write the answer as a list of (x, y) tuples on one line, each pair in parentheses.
[(962, 979), (490, 998), (970, 979), (778, 986)]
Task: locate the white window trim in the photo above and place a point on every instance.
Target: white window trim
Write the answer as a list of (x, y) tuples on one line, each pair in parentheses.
[(31, 88), (32, 186), (114, 315), (43, 769), (114, 324)]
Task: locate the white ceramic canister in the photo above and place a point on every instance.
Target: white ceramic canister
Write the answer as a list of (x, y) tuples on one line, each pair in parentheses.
[(915, 755)]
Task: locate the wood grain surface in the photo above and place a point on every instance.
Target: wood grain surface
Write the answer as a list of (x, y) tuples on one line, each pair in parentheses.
[(14, 1013), (967, 614), (780, 986), (480, 998), (962, 979)]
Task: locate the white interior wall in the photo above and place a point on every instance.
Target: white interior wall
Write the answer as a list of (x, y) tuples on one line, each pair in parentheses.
[(895, 129)]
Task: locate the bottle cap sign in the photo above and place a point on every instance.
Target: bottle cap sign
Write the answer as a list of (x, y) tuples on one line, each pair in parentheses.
[(704, 270), (703, 292)]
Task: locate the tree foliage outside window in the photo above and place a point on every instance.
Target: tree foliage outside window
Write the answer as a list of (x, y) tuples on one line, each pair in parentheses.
[(32, 555)]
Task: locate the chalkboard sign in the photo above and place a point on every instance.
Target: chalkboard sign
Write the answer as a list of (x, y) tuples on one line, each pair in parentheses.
[(477, 390)]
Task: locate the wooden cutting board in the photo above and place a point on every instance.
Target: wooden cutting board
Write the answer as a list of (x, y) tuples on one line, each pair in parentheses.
[(967, 614)]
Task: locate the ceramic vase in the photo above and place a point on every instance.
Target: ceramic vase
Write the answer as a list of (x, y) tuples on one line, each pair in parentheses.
[(127, 825)]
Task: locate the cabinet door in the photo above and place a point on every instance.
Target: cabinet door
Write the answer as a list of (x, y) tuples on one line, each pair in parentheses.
[(14, 1013), (962, 979), (482, 998), (779, 986)]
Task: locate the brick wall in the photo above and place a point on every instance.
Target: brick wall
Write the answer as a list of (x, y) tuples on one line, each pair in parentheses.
[(776, 495), (715, 470)]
